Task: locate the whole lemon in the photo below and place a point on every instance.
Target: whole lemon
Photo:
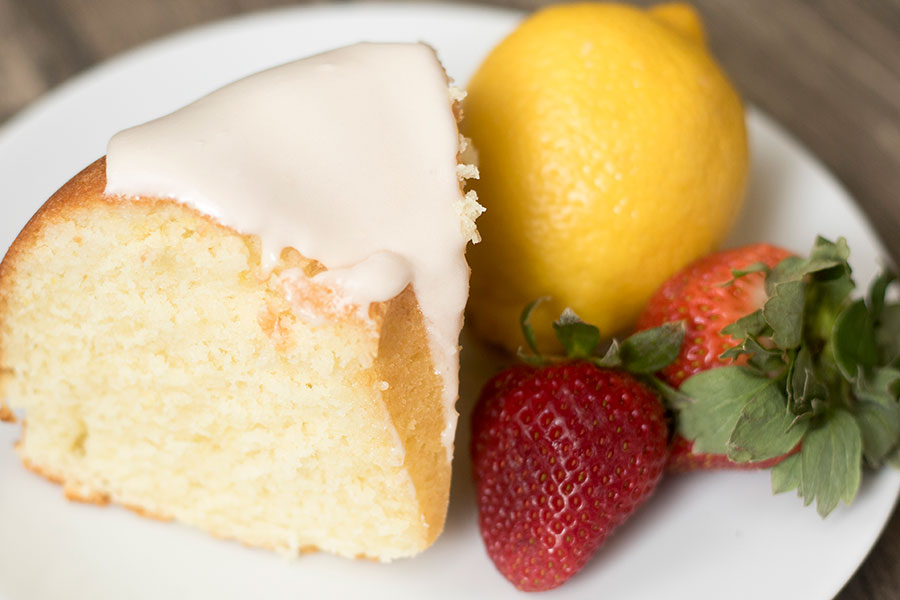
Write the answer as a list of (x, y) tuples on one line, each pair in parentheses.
[(612, 152)]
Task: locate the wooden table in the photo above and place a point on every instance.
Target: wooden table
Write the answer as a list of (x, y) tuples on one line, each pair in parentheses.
[(828, 70)]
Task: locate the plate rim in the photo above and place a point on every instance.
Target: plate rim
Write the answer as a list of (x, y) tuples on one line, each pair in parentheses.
[(59, 93)]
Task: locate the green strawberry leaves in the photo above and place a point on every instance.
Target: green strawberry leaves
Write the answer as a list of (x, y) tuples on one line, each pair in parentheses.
[(783, 312), (788, 475), (577, 337), (830, 466), (747, 327), (822, 280), (853, 340), (805, 389), (886, 321), (878, 413), (643, 353), (651, 350), (820, 383), (738, 412), (756, 267), (765, 429), (720, 396), (831, 449), (877, 293), (528, 330), (887, 335)]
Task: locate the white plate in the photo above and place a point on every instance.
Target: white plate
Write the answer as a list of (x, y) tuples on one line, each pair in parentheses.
[(711, 535)]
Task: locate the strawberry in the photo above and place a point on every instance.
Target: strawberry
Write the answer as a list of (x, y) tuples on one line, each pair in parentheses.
[(564, 451), (698, 296), (811, 383)]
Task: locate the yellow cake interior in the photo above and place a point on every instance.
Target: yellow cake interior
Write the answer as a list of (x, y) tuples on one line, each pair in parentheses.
[(157, 367)]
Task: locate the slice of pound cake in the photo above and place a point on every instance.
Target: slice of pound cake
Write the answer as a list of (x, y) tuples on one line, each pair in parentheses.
[(246, 317)]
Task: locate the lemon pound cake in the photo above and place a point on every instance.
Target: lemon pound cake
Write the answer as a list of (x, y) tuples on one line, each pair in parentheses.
[(246, 317)]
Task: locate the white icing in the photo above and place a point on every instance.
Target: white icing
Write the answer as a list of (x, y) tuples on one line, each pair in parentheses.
[(350, 157), (376, 279)]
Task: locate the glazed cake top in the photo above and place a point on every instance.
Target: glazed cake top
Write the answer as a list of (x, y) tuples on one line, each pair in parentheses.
[(350, 157)]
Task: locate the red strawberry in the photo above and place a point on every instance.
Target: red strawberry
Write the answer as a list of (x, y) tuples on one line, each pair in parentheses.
[(697, 296), (562, 455)]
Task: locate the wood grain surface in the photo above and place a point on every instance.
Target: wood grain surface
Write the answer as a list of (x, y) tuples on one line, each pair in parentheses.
[(829, 71)]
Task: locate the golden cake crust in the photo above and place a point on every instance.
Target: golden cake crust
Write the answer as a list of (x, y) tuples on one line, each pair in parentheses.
[(85, 189)]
